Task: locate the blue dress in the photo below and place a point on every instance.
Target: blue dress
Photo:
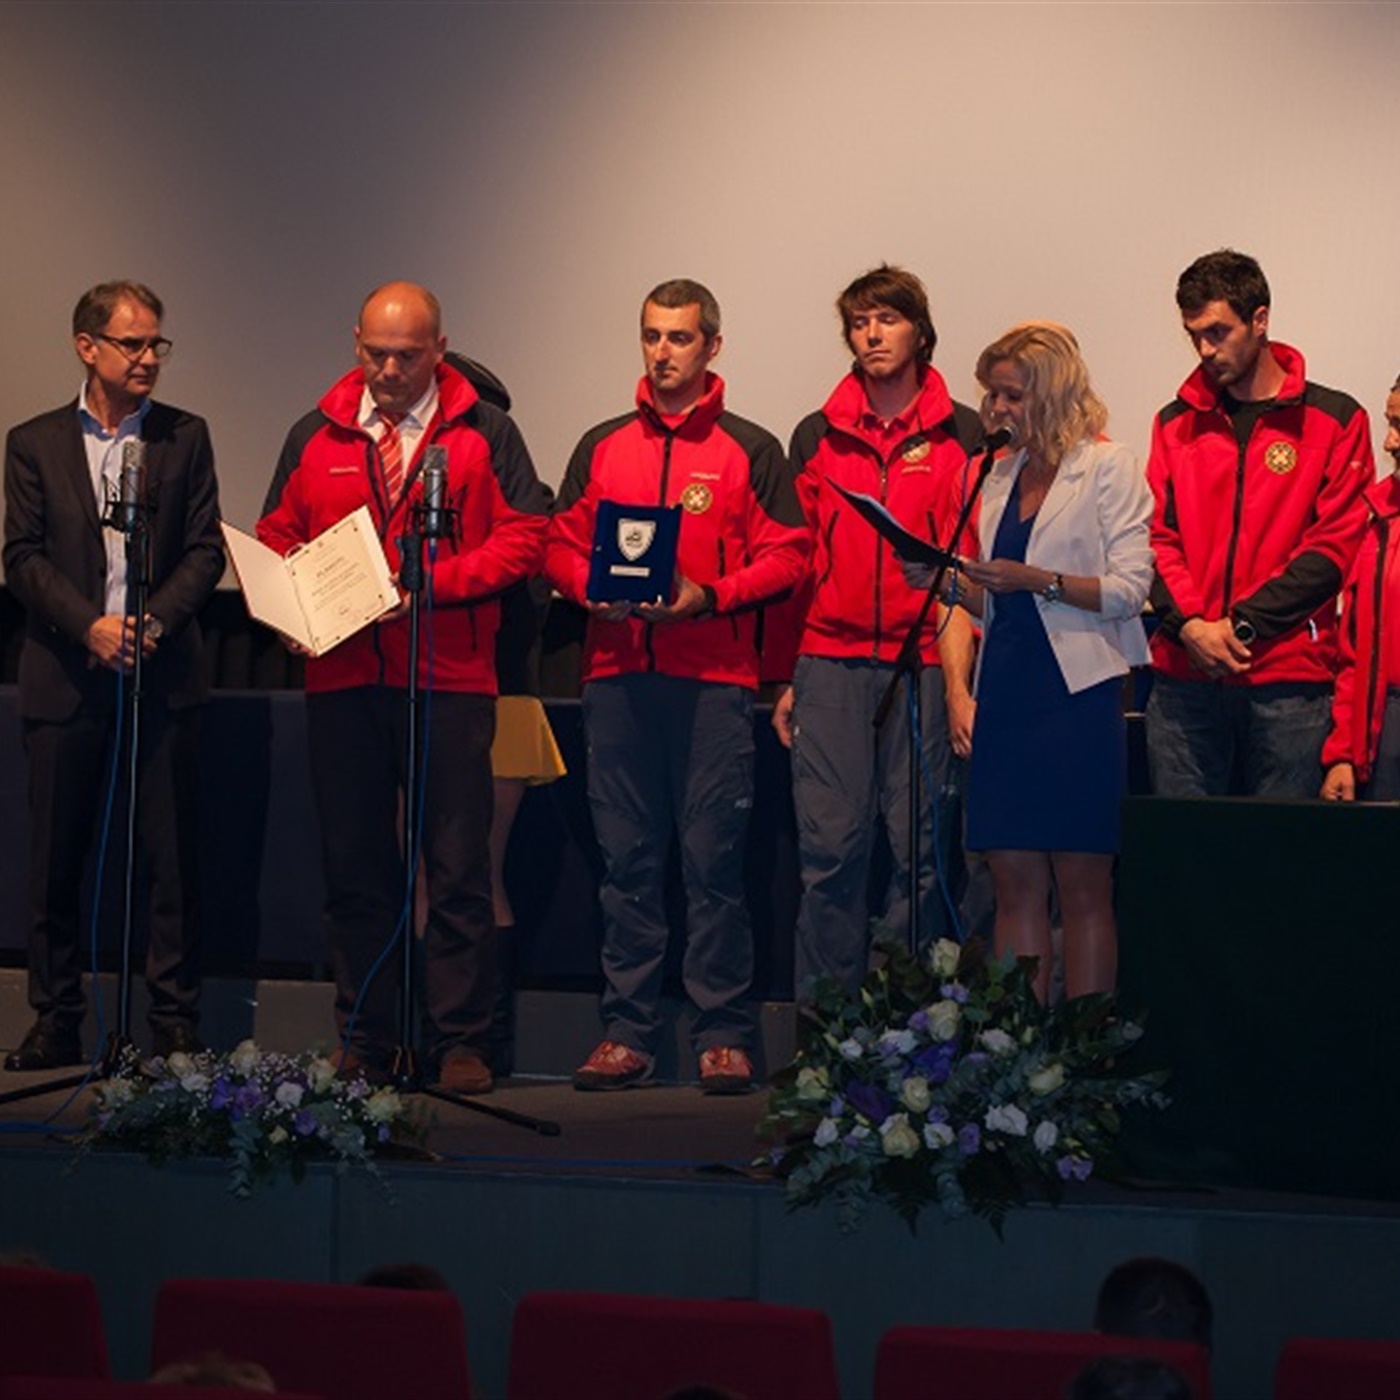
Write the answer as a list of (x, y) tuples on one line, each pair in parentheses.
[(1049, 769)]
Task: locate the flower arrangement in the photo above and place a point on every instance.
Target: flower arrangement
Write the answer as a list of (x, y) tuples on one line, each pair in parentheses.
[(265, 1112), (946, 1082)]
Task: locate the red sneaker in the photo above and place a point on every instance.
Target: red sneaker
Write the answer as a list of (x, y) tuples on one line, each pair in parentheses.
[(613, 1066), (725, 1069)]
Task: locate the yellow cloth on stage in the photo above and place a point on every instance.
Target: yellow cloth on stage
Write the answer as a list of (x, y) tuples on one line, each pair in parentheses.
[(524, 746)]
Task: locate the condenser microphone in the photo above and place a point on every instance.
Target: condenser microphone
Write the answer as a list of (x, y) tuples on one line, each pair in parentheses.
[(131, 486), (435, 492)]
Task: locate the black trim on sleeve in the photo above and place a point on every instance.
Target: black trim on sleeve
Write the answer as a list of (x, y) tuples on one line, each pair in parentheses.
[(1295, 595), (303, 430)]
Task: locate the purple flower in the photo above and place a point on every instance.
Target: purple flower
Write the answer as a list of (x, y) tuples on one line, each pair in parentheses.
[(874, 1103), (220, 1093), (304, 1124), (953, 991), (248, 1097), (969, 1139), (919, 1021), (837, 1106), (1072, 1168), (937, 1114), (936, 1062)]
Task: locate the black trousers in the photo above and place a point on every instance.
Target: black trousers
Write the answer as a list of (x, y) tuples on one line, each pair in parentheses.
[(68, 770), (356, 742)]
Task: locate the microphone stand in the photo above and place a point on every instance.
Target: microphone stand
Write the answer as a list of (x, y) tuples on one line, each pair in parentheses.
[(406, 1070), (910, 662), (132, 518)]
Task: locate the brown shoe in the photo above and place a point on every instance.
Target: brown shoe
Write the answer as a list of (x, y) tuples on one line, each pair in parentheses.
[(464, 1072), (725, 1069)]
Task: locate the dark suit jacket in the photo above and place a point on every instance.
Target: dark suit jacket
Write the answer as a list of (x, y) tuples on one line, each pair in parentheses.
[(55, 564)]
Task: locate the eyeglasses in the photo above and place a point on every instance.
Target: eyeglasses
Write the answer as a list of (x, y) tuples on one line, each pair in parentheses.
[(134, 346)]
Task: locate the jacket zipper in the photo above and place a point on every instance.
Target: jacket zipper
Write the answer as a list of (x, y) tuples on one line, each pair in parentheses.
[(647, 637), (1242, 452), (1378, 634)]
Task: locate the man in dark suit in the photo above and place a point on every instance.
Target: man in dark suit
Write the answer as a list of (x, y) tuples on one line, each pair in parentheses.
[(69, 570)]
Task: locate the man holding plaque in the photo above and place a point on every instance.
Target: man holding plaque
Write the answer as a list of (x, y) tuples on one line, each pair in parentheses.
[(890, 430), (365, 445), (670, 667), (67, 474)]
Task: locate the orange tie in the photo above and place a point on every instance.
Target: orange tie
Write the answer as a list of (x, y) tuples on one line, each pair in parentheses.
[(391, 458)]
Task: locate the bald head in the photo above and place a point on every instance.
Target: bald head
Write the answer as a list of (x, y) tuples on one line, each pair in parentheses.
[(399, 344)]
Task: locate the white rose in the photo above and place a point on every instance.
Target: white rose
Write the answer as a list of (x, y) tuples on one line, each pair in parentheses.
[(278, 1135), (827, 1133), (179, 1064), (898, 1043), (382, 1106), (850, 1049), (1047, 1080), (945, 957), (914, 1094), (289, 1094), (1046, 1136), (897, 1138), (116, 1092), (244, 1059), (944, 1017), (812, 1083), (1006, 1118), (998, 1042), (320, 1074), (938, 1136), (194, 1082)]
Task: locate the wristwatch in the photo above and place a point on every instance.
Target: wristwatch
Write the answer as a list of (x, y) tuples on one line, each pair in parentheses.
[(155, 628), (1054, 590), (1244, 630)]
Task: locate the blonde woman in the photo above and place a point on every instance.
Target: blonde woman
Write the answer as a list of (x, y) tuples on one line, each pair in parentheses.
[(1064, 570)]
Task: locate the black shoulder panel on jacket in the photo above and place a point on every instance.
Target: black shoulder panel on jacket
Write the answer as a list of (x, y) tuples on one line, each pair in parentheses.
[(770, 478), (1333, 402), (752, 438), (806, 438), (576, 474), (510, 459), (303, 430), (967, 426), (1173, 410)]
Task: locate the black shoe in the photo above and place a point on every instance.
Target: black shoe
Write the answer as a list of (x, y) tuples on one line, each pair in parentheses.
[(46, 1047), (178, 1038)]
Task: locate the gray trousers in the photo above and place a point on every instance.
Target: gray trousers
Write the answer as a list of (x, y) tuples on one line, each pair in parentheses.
[(671, 757)]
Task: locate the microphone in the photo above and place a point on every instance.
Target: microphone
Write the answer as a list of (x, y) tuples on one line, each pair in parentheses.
[(435, 514), (995, 440), (131, 486)]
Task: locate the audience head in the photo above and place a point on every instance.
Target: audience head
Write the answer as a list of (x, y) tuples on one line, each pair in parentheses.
[(1037, 384), (1129, 1378), (1149, 1297), (213, 1369)]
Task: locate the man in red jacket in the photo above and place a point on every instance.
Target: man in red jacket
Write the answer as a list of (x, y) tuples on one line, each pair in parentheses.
[(889, 430), (364, 445), (1362, 753), (1258, 476), (668, 687)]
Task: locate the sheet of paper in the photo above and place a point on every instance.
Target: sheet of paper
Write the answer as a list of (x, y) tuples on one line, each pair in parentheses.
[(907, 546)]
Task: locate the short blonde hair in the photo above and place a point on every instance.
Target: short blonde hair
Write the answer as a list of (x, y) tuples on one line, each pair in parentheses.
[(1063, 409)]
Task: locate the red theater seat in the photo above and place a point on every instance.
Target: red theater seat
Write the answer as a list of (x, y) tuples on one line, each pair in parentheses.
[(50, 1324), (1310, 1368), (71, 1388), (342, 1341), (602, 1346), (992, 1363)]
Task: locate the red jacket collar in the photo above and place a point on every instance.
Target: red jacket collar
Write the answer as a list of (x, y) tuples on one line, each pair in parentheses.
[(341, 402), (1200, 394), (698, 421), (1384, 496), (848, 404)]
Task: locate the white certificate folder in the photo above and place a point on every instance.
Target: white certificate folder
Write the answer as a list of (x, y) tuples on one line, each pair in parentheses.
[(322, 592)]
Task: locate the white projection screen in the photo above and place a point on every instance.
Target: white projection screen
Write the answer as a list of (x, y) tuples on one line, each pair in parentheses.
[(541, 165)]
